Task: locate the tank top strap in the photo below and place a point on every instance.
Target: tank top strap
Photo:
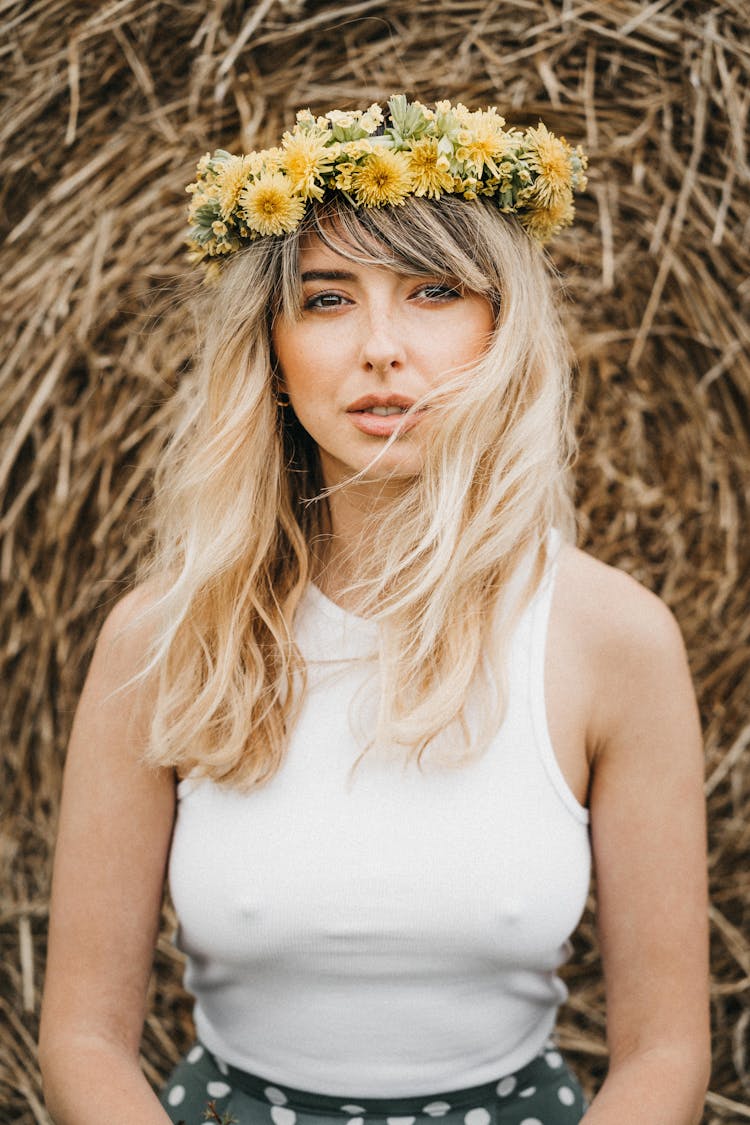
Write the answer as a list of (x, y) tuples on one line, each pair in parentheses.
[(540, 609)]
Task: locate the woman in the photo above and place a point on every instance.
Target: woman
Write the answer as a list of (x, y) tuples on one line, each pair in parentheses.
[(369, 702)]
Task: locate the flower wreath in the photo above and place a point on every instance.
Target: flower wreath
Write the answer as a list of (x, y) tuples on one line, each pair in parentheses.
[(376, 161)]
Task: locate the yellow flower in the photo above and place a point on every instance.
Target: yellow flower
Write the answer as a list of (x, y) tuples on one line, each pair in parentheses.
[(344, 173), (460, 112), (482, 139), (265, 160), (305, 160), (383, 177), (549, 157), (270, 205), (543, 222), (356, 149), (430, 169), (230, 181), (466, 186), (372, 118), (343, 118)]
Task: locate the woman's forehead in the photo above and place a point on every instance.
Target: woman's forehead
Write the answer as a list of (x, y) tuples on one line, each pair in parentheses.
[(311, 245), (336, 248)]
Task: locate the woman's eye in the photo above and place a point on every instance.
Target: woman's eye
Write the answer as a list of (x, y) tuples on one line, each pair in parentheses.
[(439, 292), (324, 301)]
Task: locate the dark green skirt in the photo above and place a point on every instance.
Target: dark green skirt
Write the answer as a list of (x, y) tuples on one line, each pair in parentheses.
[(203, 1088)]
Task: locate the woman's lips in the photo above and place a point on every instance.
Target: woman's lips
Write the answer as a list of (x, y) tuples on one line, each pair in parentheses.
[(380, 425), (362, 414)]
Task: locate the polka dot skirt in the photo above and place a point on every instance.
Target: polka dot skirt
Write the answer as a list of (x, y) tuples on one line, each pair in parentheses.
[(204, 1088)]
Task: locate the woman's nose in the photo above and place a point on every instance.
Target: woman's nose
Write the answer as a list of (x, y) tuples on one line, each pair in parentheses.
[(383, 346)]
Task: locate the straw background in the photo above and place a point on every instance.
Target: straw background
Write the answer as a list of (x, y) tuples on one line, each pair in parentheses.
[(105, 109)]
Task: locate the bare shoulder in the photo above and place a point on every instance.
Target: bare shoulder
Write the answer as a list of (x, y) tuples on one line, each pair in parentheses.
[(130, 619), (629, 649), (616, 613), (116, 702), (125, 637)]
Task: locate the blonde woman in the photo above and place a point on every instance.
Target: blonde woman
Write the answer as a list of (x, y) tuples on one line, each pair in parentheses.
[(369, 706)]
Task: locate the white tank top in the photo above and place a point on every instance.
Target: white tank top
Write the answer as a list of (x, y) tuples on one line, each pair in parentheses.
[(397, 936)]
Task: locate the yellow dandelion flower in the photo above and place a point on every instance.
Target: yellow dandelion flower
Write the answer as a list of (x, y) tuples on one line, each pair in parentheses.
[(230, 181), (430, 169), (305, 161), (543, 222), (383, 177), (549, 157), (270, 205), (482, 141)]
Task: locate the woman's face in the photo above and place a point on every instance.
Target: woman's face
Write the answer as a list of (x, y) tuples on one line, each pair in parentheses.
[(369, 343)]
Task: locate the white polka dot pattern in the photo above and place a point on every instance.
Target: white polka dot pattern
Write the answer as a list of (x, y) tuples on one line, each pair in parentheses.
[(275, 1095), (506, 1086), (536, 1086), (281, 1115), (436, 1109), (478, 1116), (218, 1089), (176, 1095)]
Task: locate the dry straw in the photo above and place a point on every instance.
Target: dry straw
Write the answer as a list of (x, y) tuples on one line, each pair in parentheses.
[(106, 107)]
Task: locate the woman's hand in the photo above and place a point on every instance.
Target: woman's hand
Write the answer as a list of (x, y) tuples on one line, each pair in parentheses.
[(113, 841)]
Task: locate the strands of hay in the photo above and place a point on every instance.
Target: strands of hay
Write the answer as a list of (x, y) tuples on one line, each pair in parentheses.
[(106, 108)]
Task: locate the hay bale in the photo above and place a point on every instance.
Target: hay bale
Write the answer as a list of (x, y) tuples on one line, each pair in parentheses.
[(104, 117)]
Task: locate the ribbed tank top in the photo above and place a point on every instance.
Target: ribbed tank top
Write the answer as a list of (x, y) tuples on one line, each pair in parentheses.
[(400, 935)]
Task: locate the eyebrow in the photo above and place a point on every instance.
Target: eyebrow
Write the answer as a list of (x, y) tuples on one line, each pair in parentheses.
[(328, 275)]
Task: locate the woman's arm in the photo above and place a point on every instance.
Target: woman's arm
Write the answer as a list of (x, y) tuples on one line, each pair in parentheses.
[(649, 843), (113, 840)]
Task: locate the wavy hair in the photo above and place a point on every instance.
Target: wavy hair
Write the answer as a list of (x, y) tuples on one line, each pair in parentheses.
[(239, 500)]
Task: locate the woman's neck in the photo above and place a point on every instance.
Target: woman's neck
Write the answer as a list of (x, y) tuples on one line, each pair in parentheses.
[(338, 556)]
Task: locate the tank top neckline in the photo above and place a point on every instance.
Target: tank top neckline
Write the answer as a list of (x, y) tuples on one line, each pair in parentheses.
[(335, 612)]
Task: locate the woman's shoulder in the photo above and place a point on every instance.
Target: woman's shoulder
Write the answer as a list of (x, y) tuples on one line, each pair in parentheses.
[(626, 641), (132, 613), (127, 633), (611, 608), (111, 727)]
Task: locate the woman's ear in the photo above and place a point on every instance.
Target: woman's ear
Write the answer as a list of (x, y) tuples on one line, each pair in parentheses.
[(278, 383)]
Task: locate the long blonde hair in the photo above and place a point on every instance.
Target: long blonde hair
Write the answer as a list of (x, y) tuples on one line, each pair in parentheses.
[(234, 521)]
